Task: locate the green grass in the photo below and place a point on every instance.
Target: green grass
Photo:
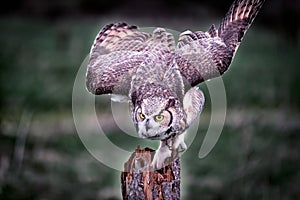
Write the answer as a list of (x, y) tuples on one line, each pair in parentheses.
[(259, 163), (257, 158)]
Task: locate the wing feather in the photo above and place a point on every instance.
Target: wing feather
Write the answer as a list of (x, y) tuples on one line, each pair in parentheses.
[(203, 55), (118, 50)]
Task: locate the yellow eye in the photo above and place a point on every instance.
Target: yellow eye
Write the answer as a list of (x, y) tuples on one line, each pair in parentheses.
[(142, 116), (159, 117)]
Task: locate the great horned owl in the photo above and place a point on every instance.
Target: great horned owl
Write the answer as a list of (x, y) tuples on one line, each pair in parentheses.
[(159, 78)]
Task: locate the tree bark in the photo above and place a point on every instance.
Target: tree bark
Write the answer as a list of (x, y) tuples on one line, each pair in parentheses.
[(140, 182)]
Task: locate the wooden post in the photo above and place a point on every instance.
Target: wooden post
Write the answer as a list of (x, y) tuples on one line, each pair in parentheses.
[(140, 181)]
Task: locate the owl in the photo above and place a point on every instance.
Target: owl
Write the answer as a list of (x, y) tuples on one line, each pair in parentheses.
[(159, 77)]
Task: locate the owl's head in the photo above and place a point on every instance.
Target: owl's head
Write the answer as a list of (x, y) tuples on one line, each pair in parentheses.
[(157, 117)]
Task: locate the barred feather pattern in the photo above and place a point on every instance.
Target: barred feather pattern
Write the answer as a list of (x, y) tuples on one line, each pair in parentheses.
[(119, 49), (217, 47)]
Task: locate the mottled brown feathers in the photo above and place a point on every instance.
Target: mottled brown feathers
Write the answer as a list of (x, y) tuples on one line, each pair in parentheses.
[(217, 46), (120, 49)]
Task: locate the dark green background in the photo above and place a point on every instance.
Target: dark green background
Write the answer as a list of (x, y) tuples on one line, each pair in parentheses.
[(42, 46)]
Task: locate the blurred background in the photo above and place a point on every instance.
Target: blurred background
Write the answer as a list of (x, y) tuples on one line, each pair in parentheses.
[(43, 44)]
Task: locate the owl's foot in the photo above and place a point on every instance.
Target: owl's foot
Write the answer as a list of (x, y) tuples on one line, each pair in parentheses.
[(179, 144), (171, 148), (161, 154)]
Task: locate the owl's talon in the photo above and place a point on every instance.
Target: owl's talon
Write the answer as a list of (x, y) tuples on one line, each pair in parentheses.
[(181, 149), (162, 153), (179, 144), (166, 151)]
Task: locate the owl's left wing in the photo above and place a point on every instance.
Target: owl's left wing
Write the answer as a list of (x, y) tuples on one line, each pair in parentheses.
[(201, 56), (118, 50), (114, 54)]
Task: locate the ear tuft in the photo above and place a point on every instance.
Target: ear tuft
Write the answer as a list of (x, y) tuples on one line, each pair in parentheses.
[(133, 97), (171, 103)]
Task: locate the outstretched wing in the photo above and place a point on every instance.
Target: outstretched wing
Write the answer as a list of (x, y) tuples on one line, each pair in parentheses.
[(201, 56), (118, 50)]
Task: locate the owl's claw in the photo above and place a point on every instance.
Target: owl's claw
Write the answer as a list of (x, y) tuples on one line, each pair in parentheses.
[(161, 154), (179, 143), (165, 150)]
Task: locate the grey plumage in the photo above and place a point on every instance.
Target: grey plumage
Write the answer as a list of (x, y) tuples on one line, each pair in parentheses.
[(215, 48), (158, 77)]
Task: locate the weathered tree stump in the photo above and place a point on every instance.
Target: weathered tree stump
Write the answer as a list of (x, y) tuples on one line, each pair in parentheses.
[(140, 181)]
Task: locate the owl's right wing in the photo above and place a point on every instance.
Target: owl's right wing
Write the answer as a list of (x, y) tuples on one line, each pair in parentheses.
[(204, 55), (118, 50)]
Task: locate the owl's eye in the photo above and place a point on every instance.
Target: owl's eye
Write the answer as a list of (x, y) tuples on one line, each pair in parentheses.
[(159, 117), (142, 116)]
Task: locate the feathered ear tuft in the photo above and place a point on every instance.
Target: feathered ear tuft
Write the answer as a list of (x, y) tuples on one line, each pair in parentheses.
[(133, 98), (171, 103)]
